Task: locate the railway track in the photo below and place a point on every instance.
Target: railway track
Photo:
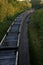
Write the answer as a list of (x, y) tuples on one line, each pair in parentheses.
[(10, 42)]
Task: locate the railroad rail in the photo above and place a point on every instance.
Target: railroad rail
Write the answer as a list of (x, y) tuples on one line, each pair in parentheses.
[(10, 42)]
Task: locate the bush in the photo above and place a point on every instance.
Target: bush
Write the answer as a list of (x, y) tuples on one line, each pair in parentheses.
[(35, 35)]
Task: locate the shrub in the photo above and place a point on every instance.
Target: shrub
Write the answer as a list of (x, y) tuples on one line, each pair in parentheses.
[(35, 35)]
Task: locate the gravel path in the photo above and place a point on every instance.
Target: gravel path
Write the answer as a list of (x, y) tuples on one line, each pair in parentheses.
[(23, 49)]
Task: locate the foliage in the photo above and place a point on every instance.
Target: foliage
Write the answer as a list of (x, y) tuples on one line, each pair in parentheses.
[(10, 7), (35, 35)]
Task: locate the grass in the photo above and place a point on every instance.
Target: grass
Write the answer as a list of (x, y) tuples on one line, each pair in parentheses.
[(35, 35)]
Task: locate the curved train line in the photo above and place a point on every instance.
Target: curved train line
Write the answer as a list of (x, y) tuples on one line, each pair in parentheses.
[(10, 42)]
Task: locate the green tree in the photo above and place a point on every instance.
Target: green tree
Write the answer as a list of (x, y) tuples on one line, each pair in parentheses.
[(28, 3)]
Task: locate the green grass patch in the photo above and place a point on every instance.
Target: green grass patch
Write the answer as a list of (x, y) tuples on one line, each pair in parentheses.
[(35, 35)]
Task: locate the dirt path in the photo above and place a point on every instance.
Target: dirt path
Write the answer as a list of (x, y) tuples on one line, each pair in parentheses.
[(24, 47)]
